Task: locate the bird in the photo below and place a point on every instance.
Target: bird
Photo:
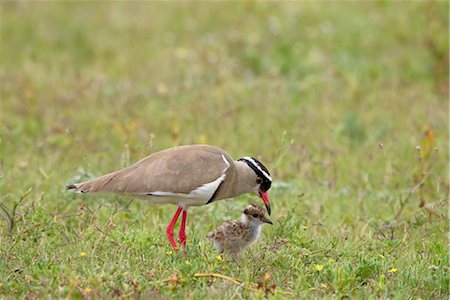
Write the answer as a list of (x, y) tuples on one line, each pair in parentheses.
[(188, 175), (234, 236)]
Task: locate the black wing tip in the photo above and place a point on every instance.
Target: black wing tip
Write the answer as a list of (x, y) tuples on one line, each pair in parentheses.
[(71, 186)]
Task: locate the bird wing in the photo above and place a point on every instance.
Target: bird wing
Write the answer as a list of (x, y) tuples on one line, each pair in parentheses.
[(186, 171), (230, 232)]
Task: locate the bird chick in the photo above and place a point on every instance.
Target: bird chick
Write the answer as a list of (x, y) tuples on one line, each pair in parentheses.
[(234, 236)]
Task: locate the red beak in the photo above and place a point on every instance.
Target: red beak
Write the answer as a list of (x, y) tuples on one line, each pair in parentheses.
[(265, 199)]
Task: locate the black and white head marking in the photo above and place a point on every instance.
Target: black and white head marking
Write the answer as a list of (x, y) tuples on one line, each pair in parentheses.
[(260, 170)]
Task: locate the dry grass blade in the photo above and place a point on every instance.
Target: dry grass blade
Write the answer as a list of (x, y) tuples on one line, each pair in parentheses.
[(412, 191), (216, 275), (12, 215)]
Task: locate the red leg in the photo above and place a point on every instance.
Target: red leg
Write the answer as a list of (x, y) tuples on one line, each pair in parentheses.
[(182, 232), (169, 230)]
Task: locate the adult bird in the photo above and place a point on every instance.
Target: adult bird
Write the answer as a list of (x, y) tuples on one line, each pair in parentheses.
[(192, 175)]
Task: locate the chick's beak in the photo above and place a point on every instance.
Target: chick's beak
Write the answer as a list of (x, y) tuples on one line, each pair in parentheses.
[(266, 220), (265, 199)]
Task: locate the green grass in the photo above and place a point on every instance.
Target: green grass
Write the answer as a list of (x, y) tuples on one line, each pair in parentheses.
[(312, 89)]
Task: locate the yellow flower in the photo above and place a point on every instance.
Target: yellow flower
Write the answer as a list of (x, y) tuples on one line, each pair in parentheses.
[(169, 252), (381, 256), (305, 227), (393, 270), (181, 52), (219, 257), (319, 267), (330, 260), (162, 89), (82, 254)]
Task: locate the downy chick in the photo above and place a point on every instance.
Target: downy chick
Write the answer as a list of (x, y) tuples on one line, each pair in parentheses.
[(236, 235)]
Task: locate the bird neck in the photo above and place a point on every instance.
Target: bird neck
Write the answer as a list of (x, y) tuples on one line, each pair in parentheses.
[(245, 175), (248, 222), (255, 226), (240, 180)]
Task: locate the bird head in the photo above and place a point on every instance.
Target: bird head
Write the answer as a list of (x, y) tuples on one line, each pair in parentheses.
[(262, 179), (255, 214)]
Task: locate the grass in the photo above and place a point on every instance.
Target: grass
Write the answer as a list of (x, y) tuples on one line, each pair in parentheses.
[(332, 97)]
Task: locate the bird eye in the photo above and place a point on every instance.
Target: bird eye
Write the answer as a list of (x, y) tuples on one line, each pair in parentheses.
[(259, 180), (255, 215)]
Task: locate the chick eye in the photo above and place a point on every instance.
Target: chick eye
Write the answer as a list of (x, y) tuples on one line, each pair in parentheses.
[(258, 180), (255, 215)]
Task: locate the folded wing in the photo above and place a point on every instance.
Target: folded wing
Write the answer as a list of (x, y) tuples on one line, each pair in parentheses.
[(191, 171)]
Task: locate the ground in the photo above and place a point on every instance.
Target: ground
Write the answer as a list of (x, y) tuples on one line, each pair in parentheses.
[(346, 103)]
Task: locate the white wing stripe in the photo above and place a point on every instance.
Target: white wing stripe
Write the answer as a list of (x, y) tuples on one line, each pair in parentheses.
[(206, 191)]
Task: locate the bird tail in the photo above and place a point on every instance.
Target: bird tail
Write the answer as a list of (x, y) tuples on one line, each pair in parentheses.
[(100, 184), (71, 186), (76, 187)]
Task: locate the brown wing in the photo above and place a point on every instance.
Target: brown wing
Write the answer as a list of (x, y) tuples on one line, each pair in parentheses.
[(176, 170), (229, 231)]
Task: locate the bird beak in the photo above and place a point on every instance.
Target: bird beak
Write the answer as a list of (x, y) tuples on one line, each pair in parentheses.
[(265, 199), (266, 220)]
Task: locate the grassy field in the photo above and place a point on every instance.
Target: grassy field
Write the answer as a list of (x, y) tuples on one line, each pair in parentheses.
[(333, 97)]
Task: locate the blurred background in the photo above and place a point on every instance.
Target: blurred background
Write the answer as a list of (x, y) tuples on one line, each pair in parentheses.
[(81, 81), (334, 98)]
